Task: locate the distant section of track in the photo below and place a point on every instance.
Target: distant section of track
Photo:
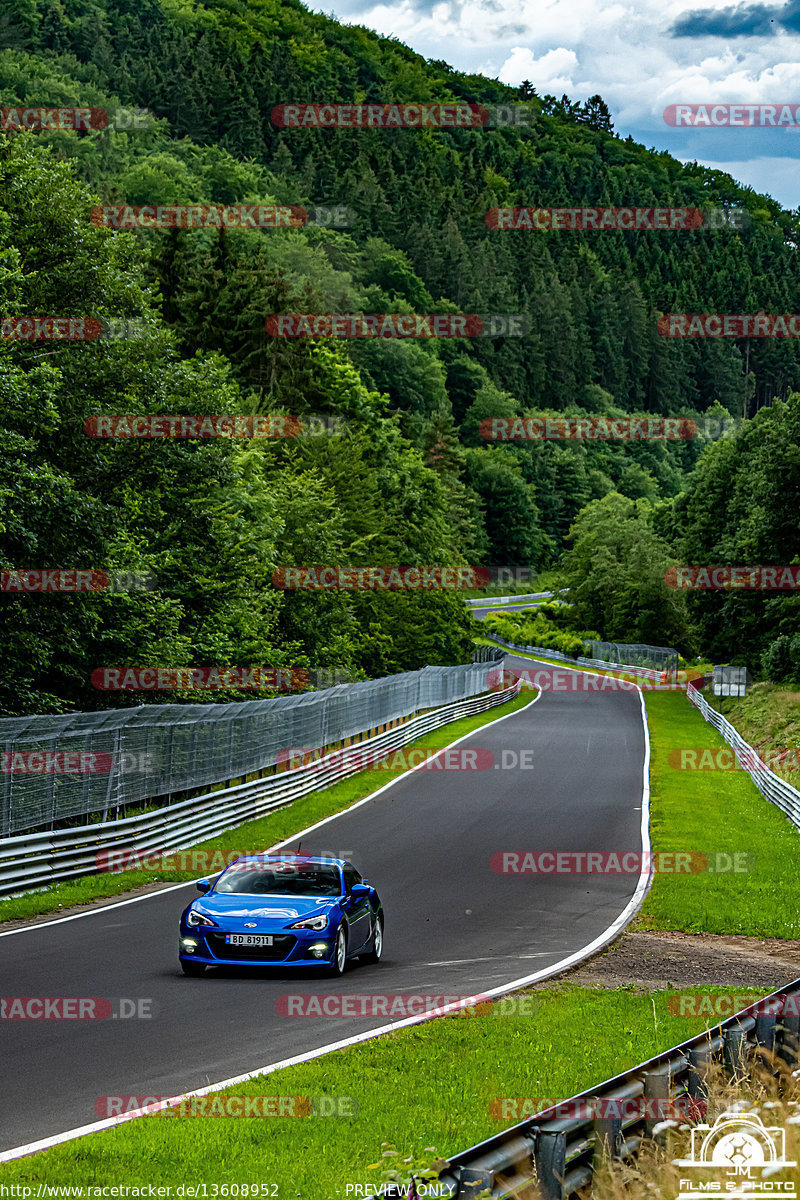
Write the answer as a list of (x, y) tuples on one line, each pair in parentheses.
[(507, 611), (454, 925)]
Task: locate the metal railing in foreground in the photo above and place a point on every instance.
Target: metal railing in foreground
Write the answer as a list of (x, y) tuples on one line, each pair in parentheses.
[(559, 1154), (34, 860)]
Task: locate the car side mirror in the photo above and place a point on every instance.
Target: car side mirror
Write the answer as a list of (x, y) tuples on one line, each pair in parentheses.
[(359, 890), (204, 885)]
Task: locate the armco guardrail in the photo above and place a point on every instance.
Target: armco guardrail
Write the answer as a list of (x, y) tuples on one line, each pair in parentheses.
[(488, 601), (558, 1153), (645, 672), (66, 767), (31, 860), (771, 786)]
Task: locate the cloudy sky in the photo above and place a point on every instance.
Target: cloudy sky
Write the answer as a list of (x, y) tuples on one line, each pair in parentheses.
[(640, 57)]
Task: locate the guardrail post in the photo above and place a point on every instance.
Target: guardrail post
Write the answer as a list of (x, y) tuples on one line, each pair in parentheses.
[(734, 1051), (700, 1059), (608, 1136), (789, 1038), (765, 1031), (550, 1156), (657, 1086), (788, 1029)]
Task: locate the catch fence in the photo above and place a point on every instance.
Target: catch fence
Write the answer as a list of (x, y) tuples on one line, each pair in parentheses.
[(68, 768)]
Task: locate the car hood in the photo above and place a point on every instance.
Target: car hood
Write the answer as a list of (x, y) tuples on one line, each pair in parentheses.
[(267, 912)]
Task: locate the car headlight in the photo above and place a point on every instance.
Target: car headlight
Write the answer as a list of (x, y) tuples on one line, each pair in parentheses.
[(196, 918), (319, 922)]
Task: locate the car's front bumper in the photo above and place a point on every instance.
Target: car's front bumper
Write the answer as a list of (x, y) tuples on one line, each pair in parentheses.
[(290, 949)]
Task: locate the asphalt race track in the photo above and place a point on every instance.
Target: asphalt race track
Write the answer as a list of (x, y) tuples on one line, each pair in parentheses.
[(453, 925), (505, 610)]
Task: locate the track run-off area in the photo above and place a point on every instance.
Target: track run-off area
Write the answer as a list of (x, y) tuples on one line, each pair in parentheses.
[(569, 774)]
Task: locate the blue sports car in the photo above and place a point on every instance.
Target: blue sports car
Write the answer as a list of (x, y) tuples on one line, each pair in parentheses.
[(298, 910)]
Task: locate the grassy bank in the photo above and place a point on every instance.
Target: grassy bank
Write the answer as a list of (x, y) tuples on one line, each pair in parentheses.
[(768, 716), (717, 814), (399, 1097)]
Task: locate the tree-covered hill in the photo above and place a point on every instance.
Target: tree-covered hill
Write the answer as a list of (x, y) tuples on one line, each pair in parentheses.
[(410, 480)]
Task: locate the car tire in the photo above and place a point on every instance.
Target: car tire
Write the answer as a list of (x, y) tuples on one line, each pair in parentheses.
[(194, 969), (340, 952), (374, 955)]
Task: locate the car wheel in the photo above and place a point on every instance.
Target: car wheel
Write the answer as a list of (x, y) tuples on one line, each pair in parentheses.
[(374, 955), (192, 968), (339, 952)]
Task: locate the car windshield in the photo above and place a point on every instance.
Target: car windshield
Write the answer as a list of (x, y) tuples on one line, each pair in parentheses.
[(281, 879)]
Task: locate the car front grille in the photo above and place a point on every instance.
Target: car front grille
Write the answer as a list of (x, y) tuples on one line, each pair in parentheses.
[(282, 946)]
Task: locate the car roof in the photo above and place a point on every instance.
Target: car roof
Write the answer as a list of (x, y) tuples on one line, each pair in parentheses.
[(305, 859)]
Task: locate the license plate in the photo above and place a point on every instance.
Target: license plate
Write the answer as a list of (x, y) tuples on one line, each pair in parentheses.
[(247, 939)]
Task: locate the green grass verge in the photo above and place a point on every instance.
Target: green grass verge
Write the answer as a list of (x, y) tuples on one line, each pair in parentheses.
[(264, 832), (429, 1085), (718, 814)]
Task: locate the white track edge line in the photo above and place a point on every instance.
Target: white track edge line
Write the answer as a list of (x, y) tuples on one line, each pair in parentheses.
[(603, 939)]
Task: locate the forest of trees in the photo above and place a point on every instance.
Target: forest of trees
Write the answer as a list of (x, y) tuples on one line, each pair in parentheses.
[(409, 479)]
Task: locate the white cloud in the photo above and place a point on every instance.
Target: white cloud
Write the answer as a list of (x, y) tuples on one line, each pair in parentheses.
[(553, 72), (625, 53)]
